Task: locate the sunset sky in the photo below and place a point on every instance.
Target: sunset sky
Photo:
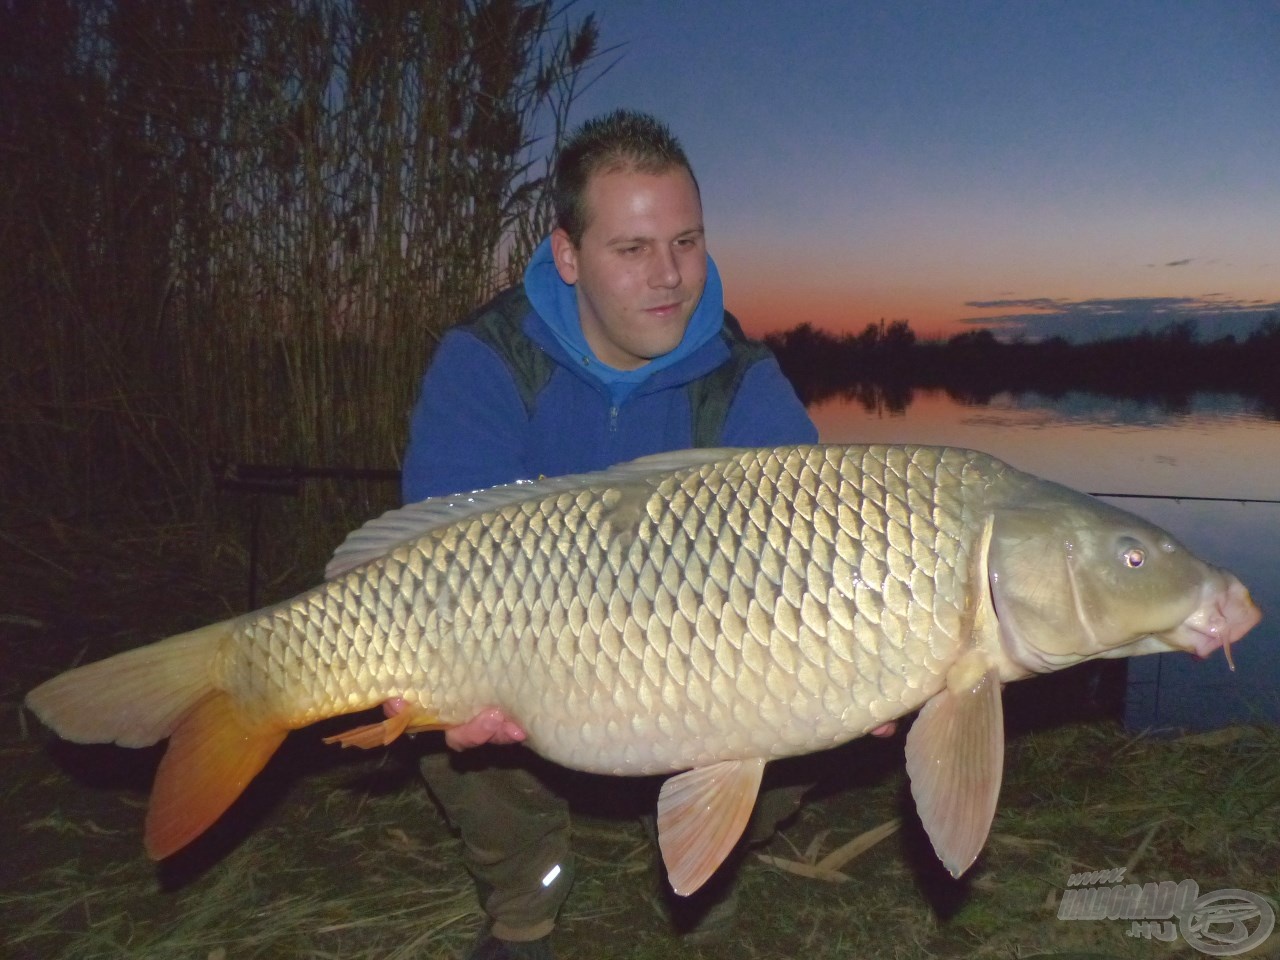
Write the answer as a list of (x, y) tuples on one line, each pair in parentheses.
[(1041, 167)]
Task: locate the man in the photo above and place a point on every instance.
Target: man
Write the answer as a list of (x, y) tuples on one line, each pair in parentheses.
[(616, 345)]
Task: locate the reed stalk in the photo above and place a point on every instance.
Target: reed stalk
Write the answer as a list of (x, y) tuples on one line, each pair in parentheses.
[(238, 231)]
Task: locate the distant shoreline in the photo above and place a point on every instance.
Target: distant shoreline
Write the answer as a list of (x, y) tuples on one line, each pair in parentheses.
[(1165, 367)]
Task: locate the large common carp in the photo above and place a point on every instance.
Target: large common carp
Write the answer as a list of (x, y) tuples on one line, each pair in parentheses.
[(703, 611)]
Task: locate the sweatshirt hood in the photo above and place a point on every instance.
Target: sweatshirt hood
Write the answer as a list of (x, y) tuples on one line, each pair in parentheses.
[(557, 304)]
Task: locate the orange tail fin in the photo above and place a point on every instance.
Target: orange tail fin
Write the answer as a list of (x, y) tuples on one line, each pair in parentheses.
[(165, 690)]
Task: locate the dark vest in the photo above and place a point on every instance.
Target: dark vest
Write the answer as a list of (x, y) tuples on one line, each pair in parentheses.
[(498, 324)]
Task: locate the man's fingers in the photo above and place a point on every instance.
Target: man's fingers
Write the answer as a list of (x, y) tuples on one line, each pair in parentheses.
[(487, 726), (509, 732)]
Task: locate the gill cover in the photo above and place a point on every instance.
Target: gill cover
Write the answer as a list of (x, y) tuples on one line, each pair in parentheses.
[(1076, 578)]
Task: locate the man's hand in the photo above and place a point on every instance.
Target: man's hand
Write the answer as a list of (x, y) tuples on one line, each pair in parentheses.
[(487, 726)]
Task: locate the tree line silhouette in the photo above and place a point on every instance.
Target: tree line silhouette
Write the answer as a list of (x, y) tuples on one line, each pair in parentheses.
[(881, 367)]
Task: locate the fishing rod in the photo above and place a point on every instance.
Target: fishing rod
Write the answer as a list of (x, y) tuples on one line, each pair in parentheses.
[(1175, 496), (272, 478), (257, 478)]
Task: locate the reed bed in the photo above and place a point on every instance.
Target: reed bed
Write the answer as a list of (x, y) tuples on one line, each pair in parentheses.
[(235, 232)]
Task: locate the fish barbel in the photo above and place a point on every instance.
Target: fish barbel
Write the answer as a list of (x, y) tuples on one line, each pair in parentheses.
[(696, 613)]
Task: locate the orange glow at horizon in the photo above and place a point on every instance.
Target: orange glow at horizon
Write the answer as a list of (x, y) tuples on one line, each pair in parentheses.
[(781, 296), (774, 295), (765, 308)]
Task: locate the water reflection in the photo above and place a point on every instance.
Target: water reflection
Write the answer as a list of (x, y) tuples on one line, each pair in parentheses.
[(1217, 445), (1217, 451), (1202, 409)]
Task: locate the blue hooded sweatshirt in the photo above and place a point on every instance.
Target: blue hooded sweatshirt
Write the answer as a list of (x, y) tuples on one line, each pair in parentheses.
[(470, 428), (556, 302)]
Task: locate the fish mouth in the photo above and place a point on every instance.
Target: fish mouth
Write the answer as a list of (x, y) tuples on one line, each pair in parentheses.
[(1225, 615)]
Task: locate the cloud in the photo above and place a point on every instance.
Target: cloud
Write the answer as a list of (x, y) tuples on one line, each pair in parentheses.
[(1039, 303), (1039, 318), (1178, 263)]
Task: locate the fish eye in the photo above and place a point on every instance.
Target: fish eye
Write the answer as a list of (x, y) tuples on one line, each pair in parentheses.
[(1134, 557)]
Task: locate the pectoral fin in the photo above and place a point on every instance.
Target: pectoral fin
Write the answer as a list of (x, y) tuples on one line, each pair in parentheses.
[(373, 735), (955, 758), (701, 815)]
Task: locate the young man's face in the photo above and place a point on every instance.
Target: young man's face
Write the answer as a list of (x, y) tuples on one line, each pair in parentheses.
[(641, 266)]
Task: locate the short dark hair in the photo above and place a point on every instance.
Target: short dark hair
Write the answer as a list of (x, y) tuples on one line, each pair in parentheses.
[(622, 140)]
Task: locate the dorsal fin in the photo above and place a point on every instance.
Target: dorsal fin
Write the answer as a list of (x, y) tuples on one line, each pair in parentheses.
[(670, 461), (383, 534)]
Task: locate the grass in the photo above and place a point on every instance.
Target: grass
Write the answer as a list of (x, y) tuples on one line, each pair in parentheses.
[(341, 855)]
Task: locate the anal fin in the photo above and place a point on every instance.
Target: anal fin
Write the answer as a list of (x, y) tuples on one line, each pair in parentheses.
[(955, 758), (701, 815), (213, 754)]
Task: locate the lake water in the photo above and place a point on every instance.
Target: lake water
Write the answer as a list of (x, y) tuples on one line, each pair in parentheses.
[(1218, 447)]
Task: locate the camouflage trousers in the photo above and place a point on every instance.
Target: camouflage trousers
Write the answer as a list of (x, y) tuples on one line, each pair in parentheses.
[(515, 833)]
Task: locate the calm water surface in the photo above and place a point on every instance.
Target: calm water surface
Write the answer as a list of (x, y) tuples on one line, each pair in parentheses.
[(1217, 447)]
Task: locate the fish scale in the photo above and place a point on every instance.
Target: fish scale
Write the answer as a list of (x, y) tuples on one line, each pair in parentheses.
[(700, 611), (532, 634)]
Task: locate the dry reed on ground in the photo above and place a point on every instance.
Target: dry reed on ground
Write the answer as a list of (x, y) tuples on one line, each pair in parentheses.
[(343, 866)]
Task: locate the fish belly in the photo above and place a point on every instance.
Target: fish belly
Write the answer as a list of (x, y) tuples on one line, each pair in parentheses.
[(770, 604)]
